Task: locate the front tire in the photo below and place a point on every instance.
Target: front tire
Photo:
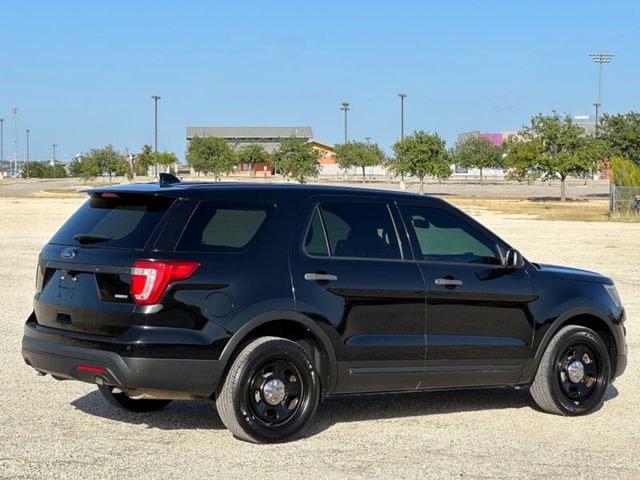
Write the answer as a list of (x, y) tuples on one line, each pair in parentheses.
[(270, 393), (573, 374), (123, 401)]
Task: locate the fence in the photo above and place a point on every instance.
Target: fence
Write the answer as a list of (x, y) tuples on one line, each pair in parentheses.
[(624, 198)]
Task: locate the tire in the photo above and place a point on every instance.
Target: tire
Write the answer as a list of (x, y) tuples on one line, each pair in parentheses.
[(121, 400), (557, 387), (270, 393)]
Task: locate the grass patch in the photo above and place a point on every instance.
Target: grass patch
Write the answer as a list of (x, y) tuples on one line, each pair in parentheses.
[(581, 210)]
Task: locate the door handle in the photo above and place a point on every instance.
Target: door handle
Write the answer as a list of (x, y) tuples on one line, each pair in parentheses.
[(448, 282), (320, 277)]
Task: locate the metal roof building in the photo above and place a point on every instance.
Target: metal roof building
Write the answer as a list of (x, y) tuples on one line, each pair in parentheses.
[(268, 137)]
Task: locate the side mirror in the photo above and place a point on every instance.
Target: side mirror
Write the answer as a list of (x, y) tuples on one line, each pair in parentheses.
[(513, 260)]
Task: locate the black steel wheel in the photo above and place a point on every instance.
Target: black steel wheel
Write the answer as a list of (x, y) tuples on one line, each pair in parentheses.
[(270, 393), (122, 400), (574, 373)]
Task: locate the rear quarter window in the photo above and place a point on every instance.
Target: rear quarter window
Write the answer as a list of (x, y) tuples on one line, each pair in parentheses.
[(124, 220), (224, 227)]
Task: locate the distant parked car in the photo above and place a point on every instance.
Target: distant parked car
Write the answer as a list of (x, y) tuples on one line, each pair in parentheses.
[(266, 298)]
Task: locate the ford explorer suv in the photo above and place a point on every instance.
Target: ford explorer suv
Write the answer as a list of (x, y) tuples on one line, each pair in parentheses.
[(267, 298)]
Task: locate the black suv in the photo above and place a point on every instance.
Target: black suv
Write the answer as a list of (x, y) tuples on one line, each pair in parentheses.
[(264, 298)]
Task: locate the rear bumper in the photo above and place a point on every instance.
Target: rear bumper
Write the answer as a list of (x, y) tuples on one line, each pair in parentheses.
[(197, 377)]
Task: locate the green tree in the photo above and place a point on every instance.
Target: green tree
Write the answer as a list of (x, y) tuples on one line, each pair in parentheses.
[(359, 154), (624, 172), (622, 134), (210, 155), (33, 169), (252, 154), (101, 160), (144, 160), (477, 152), (297, 159), (75, 167), (554, 147), (421, 154), (166, 159)]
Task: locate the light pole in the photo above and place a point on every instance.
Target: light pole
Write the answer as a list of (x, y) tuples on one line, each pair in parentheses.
[(402, 97), (1, 140), (53, 161), (14, 110), (345, 108), (27, 155), (155, 145), (600, 58), (368, 139)]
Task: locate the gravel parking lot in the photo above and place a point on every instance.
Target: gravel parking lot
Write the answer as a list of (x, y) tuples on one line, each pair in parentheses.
[(51, 429)]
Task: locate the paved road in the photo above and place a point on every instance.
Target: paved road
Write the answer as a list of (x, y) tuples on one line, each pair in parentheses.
[(591, 189), (28, 187)]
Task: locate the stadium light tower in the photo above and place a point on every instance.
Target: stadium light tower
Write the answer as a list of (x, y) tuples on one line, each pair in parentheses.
[(600, 58), (345, 108)]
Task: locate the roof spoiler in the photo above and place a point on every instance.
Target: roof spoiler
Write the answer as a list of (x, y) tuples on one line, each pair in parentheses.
[(167, 179)]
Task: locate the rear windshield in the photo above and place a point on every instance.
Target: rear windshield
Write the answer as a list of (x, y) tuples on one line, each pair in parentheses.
[(223, 227), (111, 220)]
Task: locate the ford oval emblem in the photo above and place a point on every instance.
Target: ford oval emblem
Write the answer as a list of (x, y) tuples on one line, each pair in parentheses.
[(68, 253)]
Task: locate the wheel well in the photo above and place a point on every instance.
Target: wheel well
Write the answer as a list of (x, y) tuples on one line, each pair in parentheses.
[(602, 329), (294, 331)]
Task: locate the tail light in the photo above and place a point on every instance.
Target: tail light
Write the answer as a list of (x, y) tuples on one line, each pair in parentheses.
[(149, 280), (39, 274)]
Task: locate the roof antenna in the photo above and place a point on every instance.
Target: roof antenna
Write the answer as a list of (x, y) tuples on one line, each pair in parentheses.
[(167, 179)]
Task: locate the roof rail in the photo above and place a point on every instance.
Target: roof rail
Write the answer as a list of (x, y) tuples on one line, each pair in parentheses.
[(167, 179)]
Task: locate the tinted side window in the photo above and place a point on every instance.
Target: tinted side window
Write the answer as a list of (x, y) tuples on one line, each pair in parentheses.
[(315, 243), (360, 230), (444, 237), (219, 227)]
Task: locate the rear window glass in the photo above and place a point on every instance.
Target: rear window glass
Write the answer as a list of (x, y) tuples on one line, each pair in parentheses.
[(219, 227), (114, 221)]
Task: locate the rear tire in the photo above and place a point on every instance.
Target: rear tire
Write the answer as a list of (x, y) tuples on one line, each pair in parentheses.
[(270, 393), (573, 374), (121, 400)]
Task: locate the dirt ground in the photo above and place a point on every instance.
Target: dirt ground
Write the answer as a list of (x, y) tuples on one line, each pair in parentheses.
[(51, 429)]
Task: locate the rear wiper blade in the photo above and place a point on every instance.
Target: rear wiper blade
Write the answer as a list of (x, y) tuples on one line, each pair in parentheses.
[(84, 238)]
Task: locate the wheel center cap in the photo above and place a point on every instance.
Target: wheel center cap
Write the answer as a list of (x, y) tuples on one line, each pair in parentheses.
[(575, 370), (273, 391)]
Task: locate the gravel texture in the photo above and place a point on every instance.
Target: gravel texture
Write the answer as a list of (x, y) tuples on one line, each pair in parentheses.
[(51, 429)]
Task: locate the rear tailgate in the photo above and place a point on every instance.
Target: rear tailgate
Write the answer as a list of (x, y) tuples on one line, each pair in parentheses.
[(84, 273)]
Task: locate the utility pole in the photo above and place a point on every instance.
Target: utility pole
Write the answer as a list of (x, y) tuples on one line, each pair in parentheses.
[(155, 145), (27, 155), (600, 58), (368, 139), (345, 108), (402, 97)]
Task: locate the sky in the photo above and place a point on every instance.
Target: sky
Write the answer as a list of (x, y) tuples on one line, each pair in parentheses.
[(81, 73)]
